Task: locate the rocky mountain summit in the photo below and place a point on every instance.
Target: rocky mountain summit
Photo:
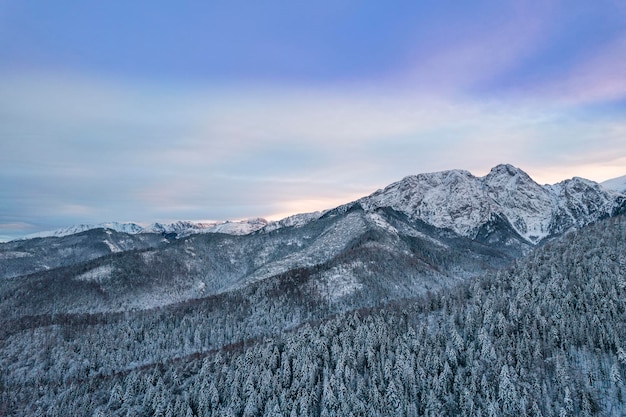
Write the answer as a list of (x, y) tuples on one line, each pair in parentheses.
[(459, 201)]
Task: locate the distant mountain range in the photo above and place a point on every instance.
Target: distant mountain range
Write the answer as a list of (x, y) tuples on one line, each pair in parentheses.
[(179, 228), (453, 199)]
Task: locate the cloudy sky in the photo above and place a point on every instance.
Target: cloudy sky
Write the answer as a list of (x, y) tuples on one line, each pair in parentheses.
[(158, 111)]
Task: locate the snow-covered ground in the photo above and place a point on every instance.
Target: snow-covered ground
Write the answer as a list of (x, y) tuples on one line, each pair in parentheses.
[(98, 274)]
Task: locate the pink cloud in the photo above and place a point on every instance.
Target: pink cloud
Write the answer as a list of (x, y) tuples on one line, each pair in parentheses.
[(480, 53)]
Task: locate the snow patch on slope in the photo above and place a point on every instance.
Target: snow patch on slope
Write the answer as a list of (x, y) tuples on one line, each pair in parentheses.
[(98, 274), (237, 228), (14, 255), (381, 222), (339, 281), (329, 244), (112, 247)]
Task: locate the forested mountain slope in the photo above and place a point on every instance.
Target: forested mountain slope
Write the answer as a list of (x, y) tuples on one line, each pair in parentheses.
[(350, 255), (546, 336), (23, 257)]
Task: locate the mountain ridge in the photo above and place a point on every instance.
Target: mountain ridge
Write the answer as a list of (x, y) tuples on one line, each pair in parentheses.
[(181, 228), (430, 197), (453, 199), (462, 202)]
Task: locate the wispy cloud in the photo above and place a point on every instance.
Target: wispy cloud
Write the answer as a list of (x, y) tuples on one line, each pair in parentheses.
[(600, 78), (320, 120), (464, 56)]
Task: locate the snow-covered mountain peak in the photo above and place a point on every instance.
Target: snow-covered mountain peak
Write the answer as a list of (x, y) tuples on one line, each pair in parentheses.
[(506, 175), (450, 179), (582, 182), (451, 199), (616, 184), (582, 186), (459, 201)]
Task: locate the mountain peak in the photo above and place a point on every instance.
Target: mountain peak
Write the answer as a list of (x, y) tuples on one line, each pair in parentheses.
[(616, 184), (506, 171), (459, 201), (506, 168)]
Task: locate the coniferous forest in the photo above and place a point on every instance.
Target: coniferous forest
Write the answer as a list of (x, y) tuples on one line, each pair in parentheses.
[(544, 337)]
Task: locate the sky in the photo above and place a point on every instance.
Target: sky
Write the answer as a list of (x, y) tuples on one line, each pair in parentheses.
[(215, 110)]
